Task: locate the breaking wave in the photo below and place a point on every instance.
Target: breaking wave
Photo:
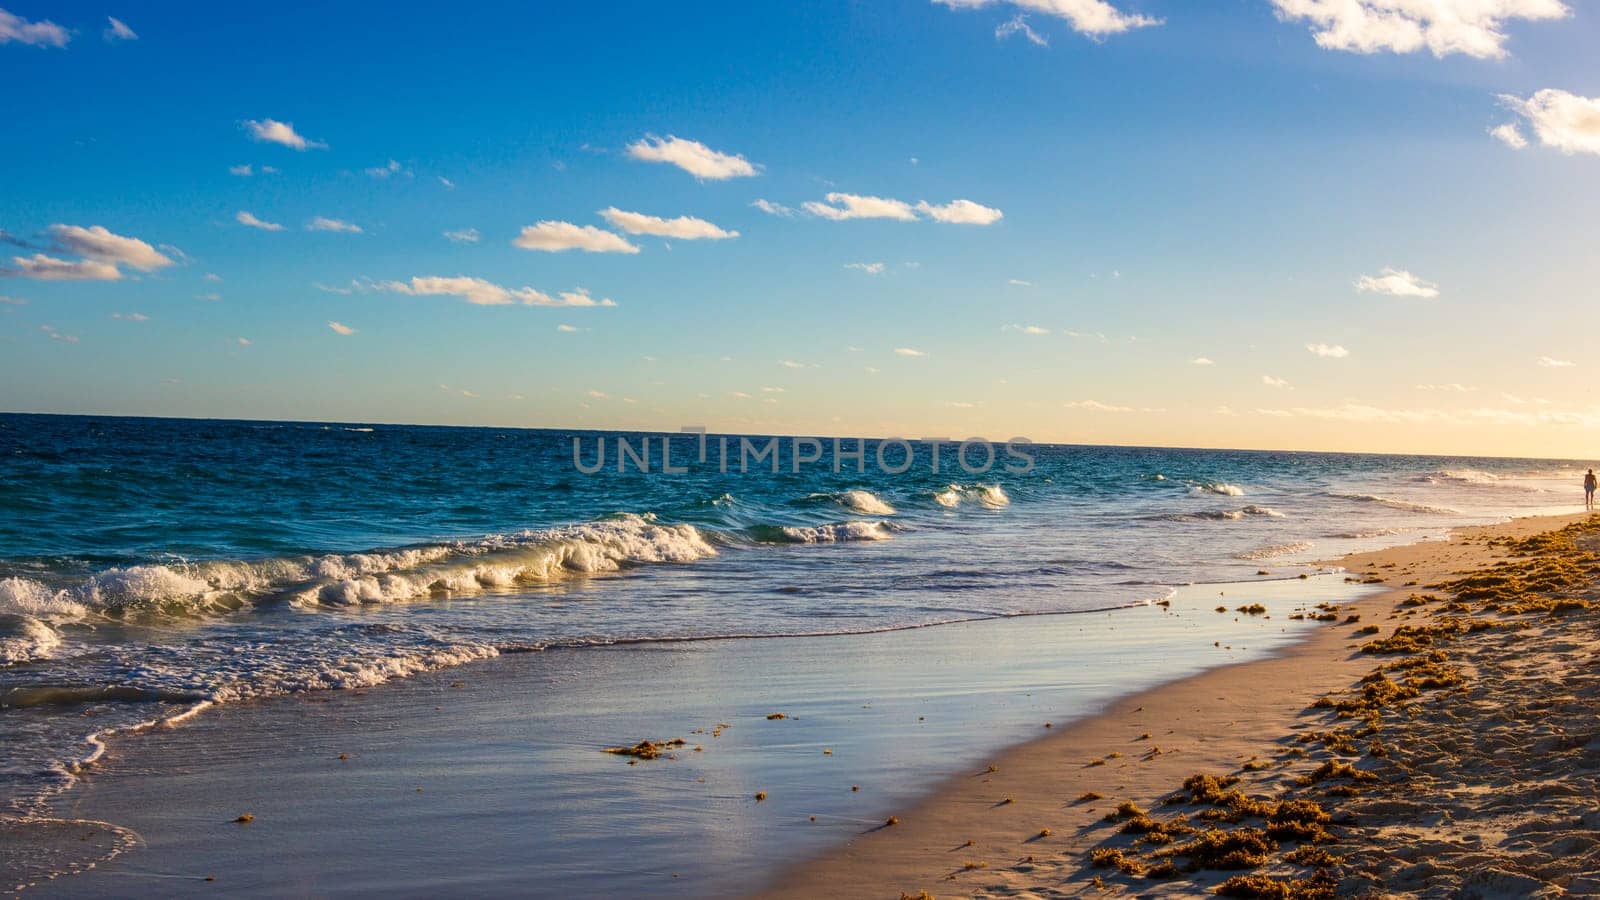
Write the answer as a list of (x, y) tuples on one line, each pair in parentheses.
[(1393, 503), (989, 496), (1216, 487), (822, 534), (1275, 550)]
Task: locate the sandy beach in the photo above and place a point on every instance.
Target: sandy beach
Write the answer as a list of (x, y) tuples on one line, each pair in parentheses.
[(1482, 785)]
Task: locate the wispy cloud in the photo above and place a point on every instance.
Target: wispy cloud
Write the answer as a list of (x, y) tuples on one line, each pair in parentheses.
[(1018, 24), (388, 170), (1510, 135), (693, 157), (246, 170), (248, 218), (117, 30), (481, 292), (1472, 27), (1550, 362), (1397, 283), (1027, 329), (1202, 361), (43, 33), (683, 228), (961, 212), (1274, 382), (463, 236), (556, 237), (131, 317), (1566, 122), (909, 351), (1327, 351), (1097, 406), (55, 335), (342, 329), (772, 209), (323, 223), (840, 207), (1092, 18), (872, 268)]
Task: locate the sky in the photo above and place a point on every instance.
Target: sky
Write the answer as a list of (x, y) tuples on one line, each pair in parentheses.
[(1282, 224)]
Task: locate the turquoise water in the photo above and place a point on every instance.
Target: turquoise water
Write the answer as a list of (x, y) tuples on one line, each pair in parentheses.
[(151, 568)]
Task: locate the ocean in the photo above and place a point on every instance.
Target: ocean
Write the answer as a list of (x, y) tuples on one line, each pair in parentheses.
[(152, 569)]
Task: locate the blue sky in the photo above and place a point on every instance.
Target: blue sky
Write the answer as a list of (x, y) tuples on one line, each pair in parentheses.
[(1203, 184)]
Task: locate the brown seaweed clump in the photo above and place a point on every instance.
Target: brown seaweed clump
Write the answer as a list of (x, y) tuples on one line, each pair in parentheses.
[(1319, 886), (1242, 848), (648, 749)]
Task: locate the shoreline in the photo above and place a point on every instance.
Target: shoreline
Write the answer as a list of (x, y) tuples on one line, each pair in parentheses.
[(893, 707), (937, 813), (1025, 826)]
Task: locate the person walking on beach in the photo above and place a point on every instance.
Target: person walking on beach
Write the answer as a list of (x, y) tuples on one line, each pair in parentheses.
[(1589, 484)]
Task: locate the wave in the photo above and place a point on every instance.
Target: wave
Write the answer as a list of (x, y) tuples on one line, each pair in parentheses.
[(821, 534), (989, 496), (380, 576), (1394, 503), (1216, 487), (1275, 550), (24, 639), (864, 502), (1224, 515), (1362, 533)]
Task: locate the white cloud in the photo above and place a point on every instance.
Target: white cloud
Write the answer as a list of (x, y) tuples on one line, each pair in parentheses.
[(555, 237), (12, 301), (1397, 283), (49, 268), (272, 131), (1452, 387), (1550, 362), (97, 243), (119, 31), (323, 223), (243, 171), (857, 206), (43, 33), (1093, 18), (907, 351), (1272, 382), (1097, 406), (391, 168), (1567, 122), (772, 209), (1018, 24), (58, 336), (131, 317), (1328, 351), (693, 157), (568, 329), (1510, 135), (447, 183), (598, 395), (341, 329), (480, 292), (961, 212), (1019, 282), (209, 298), (243, 342), (791, 364), (1472, 27), (464, 236), (1027, 329), (213, 277), (772, 390), (873, 268), (1201, 361), (684, 228), (247, 218)]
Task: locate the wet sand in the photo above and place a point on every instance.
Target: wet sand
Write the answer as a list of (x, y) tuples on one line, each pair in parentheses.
[(490, 779), (1486, 788)]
